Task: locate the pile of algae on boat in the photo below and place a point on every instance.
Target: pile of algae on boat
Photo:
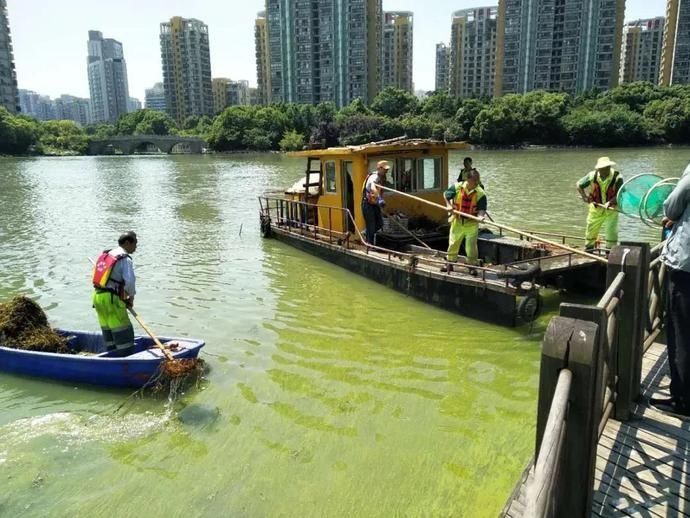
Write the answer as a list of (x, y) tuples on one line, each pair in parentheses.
[(24, 325)]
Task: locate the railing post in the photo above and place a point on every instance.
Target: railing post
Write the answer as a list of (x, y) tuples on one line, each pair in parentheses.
[(573, 344), (633, 259)]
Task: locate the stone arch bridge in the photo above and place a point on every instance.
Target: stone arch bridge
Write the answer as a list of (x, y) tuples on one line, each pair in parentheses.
[(128, 145)]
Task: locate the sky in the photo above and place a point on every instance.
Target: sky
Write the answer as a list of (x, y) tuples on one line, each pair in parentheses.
[(49, 37)]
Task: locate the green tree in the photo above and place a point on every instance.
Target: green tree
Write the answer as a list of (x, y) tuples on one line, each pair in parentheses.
[(360, 129), (497, 124), (440, 105), (100, 131), (63, 137), (257, 139), (618, 126), (417, 126), (671, 118), (541, 113), (356, 107), (17, 134), (393, 102), (154, 123), (291, 141), (228, 128), (635, 95), (466, 114)]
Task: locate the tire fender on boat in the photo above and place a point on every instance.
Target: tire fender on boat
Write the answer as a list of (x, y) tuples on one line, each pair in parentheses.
[(530, 307), (265, 225)]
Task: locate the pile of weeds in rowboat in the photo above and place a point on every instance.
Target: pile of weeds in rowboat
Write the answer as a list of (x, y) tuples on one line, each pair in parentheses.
[(24, 325)]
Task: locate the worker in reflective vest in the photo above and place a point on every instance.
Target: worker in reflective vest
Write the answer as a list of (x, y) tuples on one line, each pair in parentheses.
[(469, 198), (114, 286), (602, 184)]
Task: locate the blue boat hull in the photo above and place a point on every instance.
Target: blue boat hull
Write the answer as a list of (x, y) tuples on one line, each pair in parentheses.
[(93, 365)]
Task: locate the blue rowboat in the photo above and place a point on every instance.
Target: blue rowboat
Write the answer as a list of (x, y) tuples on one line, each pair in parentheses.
[(92, 364)]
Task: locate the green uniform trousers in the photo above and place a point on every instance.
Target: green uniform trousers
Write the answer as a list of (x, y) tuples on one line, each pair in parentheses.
[(467, 231), (118, 333), (596, 218)]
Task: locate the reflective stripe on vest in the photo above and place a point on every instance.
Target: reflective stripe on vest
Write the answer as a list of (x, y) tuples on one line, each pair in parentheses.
[(609, 184)]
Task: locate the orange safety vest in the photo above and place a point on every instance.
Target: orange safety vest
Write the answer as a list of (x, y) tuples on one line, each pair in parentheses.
[(611, 190), (468, 201), (104, 268)]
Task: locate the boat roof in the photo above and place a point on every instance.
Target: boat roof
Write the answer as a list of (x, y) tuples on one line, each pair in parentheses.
[(382, 147)]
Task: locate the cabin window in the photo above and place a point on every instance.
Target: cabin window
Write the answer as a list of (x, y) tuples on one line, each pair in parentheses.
[(331, 184), (404, 172), (428, 175)]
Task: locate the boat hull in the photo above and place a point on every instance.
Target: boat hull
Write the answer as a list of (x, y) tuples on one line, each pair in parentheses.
[(96, 368), (470, 298)]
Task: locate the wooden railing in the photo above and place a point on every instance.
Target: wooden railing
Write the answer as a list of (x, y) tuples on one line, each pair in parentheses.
[(590, 371)]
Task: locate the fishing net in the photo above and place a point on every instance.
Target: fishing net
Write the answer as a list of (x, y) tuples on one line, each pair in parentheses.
[(24, 325), (654, 201), (643, 196)]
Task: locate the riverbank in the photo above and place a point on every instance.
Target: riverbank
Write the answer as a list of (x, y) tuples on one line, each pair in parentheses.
[(631, 115)]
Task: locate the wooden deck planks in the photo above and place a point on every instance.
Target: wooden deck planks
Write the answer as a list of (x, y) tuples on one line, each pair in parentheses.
[(643, 465)]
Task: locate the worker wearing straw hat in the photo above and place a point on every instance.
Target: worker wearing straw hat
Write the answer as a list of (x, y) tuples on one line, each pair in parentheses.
[(602, 187)]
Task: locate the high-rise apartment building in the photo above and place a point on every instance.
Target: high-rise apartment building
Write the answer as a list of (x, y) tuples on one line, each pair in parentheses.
[(107, 78), (219, 87), (253, 96), (133, 104), (263, 64), (77, 109), (35, 105), (473, 52), (324, 50), (186, 68), (238, 93), (675, 56), (227, 92), (442, 67), (155, 98), (65, 107), (557, 45), (9, 96), (641, 50), (396, 58)]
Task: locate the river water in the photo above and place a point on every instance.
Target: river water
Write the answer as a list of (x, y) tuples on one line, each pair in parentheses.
[(327, 395)]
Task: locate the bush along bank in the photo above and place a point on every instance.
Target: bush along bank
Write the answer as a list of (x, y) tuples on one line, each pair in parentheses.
[(633, 114)]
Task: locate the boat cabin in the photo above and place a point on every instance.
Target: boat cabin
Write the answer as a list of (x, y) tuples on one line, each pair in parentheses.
[(334, 181)]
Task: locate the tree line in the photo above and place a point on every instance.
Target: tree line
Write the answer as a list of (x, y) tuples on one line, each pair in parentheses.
[(633, 114)]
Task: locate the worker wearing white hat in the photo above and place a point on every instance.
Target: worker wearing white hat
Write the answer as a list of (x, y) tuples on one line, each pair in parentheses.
[(602, 187)]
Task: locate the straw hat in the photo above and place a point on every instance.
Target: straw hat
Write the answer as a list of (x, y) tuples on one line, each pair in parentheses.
[(604, 161), (384, 164)]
